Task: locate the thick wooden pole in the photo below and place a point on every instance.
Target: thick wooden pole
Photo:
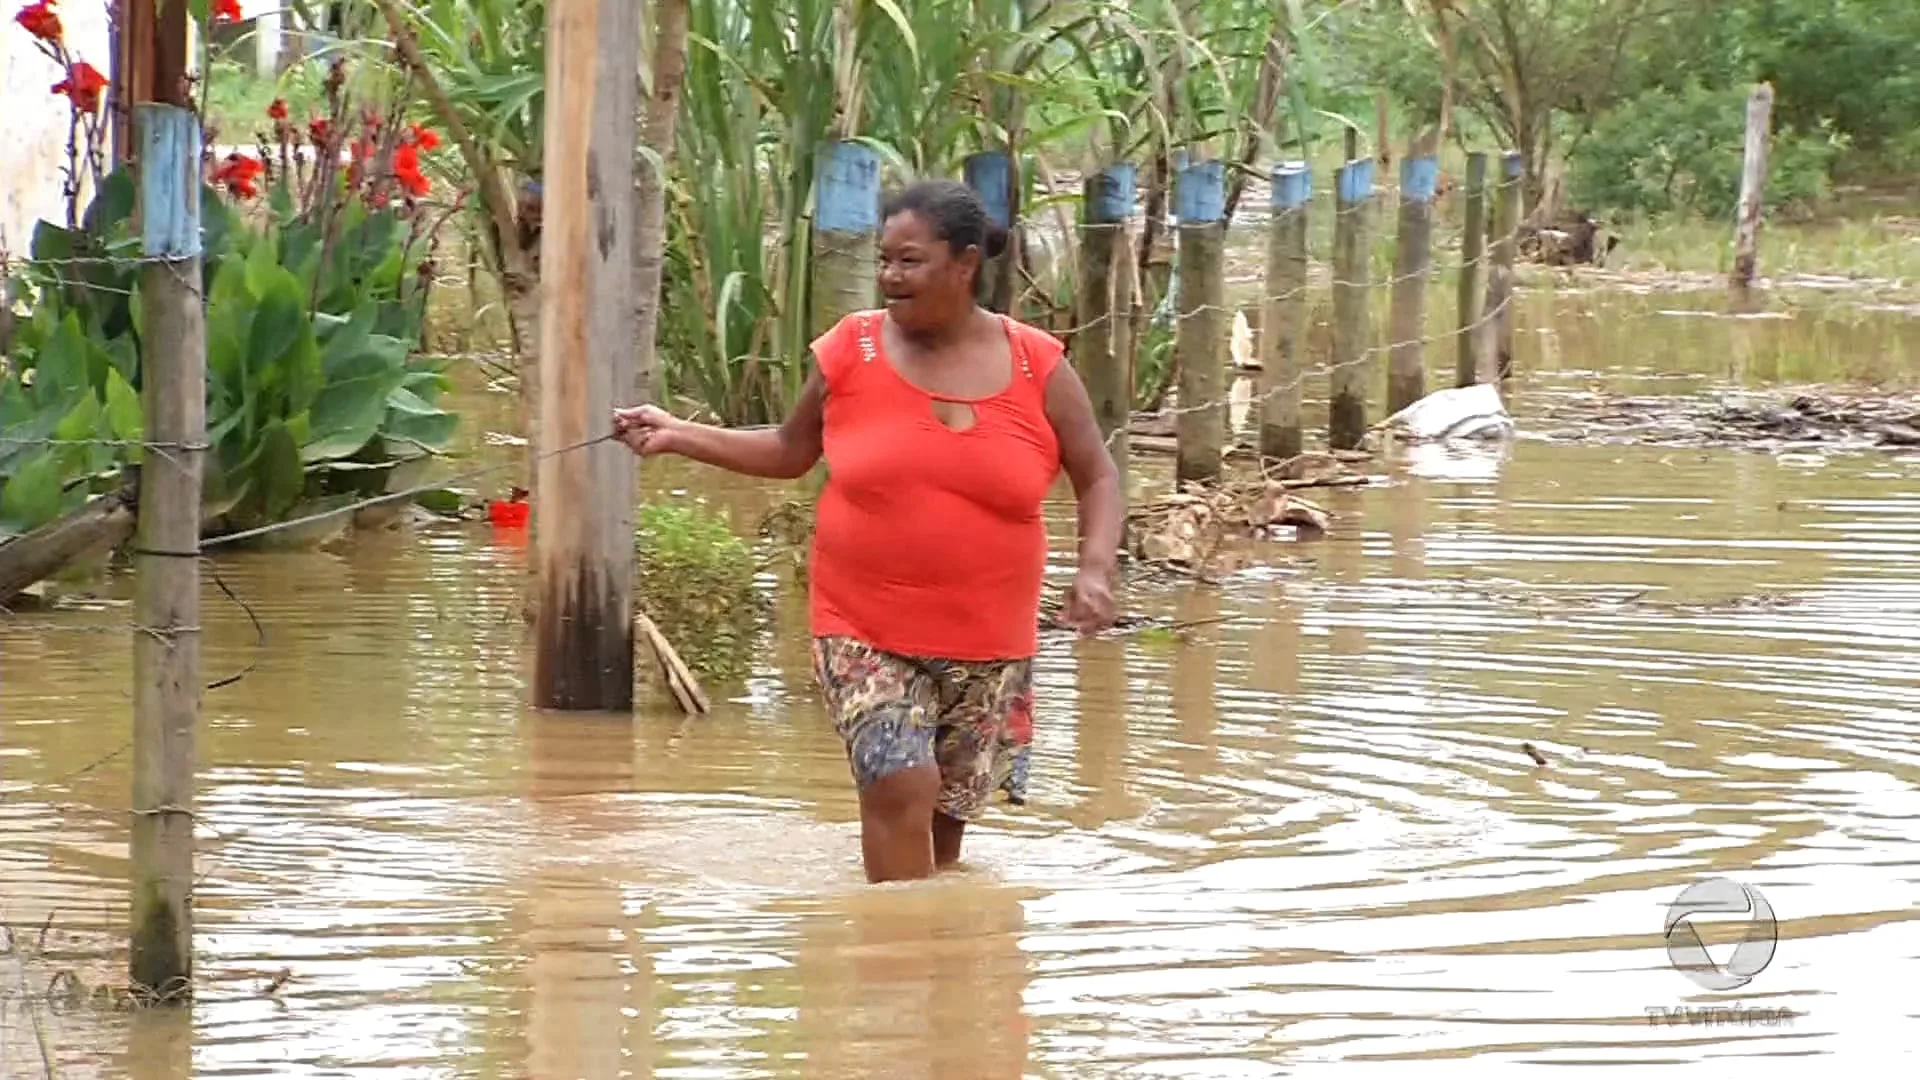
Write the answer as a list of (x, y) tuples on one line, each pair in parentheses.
[(846, 224), (1473, 245), (1200, 340), (583, 549), (1106, 204), (1347, 382), (1496, 358), (669, 71), (1283, 331), (166, 634), (1753, 178), (990, 175), (1413, 256)]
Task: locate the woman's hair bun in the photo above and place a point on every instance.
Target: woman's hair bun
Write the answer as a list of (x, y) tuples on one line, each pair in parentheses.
[(995, 242)]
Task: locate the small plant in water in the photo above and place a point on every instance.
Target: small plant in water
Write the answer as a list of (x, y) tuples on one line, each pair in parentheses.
[(696, 582)]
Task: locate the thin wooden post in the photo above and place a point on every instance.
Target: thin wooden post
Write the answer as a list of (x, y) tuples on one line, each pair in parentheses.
[(1496, 358), (583, 548), (1284, 312), (1200, 340), (1126, 316), (133, 26), (1347, 382), (1473, 246), (1106, 203), (846, 223), (1413, 255), (166, 606), (1753, 178), (990, 175)]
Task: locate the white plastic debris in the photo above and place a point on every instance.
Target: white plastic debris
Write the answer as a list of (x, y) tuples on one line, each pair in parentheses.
[(1461, 412)]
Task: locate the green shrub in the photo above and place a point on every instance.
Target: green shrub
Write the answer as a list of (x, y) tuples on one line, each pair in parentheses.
[(697, 584), (1681, 151)]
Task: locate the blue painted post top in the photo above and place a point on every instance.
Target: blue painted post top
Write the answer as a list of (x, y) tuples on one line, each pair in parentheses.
[(1111, 199), (1419, 179), (847, 189), (1200, 192), (1292, 185), (1510, 164), (1355, 181), (989, 174), (169, 182)]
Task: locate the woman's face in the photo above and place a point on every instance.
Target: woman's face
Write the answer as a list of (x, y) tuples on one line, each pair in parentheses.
[(924, 283)]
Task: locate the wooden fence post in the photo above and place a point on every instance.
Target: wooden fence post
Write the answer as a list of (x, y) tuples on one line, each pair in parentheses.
[(1283, 313), (1496, 360), (1347, 381), (846, 224), (1753, 178), (990, 174), (1407, 317), (1473, 246), (583, 547), (1106, 203), (1200, 340), (166, 634)]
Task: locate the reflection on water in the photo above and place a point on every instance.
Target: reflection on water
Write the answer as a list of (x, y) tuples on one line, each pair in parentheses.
[(1303, 830)]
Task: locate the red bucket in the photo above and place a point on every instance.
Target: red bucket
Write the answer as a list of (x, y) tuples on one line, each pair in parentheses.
[(509, 514)]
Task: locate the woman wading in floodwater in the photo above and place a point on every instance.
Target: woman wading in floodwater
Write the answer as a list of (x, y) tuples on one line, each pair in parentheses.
[(943, 426)]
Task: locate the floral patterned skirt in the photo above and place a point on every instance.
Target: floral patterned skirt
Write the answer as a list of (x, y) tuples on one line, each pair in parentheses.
[(972, 719)]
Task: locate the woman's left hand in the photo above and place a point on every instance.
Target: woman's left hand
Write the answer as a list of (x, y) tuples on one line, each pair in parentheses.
[(1089, 606)]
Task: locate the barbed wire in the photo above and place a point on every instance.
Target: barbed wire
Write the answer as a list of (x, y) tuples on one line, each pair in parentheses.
[(1310, 285), (1365, 355), (1487, 256)]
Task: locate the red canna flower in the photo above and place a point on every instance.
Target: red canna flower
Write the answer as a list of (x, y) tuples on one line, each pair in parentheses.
[(319, 129), (40, 21), (237, 173), (227, 11), (406, 168), (424, 138), (82, 86), (277, 110)]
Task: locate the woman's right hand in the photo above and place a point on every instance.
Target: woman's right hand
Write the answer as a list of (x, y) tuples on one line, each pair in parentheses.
[(646, 429)]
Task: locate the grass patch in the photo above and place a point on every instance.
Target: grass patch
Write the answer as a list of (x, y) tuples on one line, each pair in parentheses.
[(1877, 245), (697, 584)]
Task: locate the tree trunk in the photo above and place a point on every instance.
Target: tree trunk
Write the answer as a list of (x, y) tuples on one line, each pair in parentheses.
[(102, 524), (650, 226)]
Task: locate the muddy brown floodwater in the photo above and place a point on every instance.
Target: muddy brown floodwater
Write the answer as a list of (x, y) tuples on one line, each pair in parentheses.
[(1308, 834)]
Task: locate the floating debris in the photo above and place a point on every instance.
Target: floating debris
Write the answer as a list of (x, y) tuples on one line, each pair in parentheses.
[(1458, 412), (1789, 418), (1193, 528)]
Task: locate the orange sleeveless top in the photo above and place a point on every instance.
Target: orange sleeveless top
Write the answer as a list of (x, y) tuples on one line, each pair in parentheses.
[(929, 541)]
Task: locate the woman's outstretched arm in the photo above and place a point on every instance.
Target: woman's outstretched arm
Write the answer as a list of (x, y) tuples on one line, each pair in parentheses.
[(782, 453)]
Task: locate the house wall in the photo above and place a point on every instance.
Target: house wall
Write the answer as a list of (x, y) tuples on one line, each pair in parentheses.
[(33, 122)]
